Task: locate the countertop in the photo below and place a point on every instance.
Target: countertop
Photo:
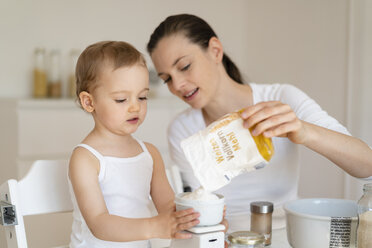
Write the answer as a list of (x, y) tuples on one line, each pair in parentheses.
[(279, 240)]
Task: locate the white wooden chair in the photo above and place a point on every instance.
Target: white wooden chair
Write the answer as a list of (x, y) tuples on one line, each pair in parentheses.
[(43, 190)]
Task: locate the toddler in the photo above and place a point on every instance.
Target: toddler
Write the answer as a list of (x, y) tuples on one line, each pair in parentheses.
[(113, 174)]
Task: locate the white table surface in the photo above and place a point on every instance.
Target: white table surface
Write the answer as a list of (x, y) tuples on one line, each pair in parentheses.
[(279, 240)]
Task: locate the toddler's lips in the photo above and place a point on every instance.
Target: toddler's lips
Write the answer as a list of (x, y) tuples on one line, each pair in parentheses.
[(133, 120)]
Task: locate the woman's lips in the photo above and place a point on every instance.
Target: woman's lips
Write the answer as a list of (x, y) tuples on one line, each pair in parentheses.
[(191, 95)]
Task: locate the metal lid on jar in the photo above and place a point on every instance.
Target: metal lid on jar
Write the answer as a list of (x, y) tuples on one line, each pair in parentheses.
[(246, 238), (262, 207)]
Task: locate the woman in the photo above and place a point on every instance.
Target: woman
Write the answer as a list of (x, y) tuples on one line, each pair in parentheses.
[(189, 57)]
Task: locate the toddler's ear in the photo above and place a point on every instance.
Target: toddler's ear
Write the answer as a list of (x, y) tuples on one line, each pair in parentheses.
[(86, 101)]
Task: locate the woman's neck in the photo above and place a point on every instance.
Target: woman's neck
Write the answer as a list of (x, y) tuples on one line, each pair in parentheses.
[(231, 96)]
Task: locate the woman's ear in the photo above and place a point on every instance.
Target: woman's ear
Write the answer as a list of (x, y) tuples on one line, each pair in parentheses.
[(216, 49), (86, 101)]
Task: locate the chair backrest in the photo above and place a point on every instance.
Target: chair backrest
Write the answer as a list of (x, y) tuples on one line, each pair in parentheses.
[(43, 190)]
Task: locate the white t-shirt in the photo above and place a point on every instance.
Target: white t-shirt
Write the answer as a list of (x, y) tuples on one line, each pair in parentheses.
[(278, 181)]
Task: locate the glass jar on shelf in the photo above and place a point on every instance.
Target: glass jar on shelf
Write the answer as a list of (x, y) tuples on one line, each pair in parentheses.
[(364, 230), (74, 55), (54, 75), (40, 85)]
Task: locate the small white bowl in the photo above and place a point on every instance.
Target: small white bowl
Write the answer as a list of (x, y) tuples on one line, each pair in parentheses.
[(211, 212), (320, 222)]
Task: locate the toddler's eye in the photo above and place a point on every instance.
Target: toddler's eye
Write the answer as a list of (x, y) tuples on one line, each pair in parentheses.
[(143, 98), (120, 100)]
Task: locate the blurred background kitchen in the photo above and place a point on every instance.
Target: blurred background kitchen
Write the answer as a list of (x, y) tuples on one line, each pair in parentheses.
[(324, 47)]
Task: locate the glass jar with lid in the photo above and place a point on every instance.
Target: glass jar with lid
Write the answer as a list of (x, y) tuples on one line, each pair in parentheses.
[(246, 239), (364, 230), (261, 219)]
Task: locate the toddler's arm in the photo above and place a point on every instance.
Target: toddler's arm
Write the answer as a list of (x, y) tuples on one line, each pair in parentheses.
[(163, 198), (83, 173)]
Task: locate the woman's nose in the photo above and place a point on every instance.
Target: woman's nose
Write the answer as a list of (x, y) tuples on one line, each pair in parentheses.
[(178, 82)]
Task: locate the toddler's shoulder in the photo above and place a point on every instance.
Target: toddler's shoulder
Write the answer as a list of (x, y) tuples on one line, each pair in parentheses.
[(82, 159)]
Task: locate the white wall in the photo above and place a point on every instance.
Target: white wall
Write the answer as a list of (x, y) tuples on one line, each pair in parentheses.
[(359, 83), (70, 24), (305, 43)]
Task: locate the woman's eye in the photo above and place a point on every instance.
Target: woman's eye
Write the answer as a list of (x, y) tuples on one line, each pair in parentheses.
[(120, 100), (143, 98), (167, 80), (186, 67)]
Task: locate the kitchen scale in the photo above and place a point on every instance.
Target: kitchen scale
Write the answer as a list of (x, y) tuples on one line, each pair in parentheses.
[(202, 237)]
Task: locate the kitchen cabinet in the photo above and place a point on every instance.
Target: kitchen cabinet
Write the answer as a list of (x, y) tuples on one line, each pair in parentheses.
[(32, 129)]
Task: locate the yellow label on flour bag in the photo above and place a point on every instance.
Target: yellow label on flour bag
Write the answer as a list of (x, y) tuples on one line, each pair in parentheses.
[(224, 150)]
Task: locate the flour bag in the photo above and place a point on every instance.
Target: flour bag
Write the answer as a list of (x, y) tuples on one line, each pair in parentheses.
[(224, 150)]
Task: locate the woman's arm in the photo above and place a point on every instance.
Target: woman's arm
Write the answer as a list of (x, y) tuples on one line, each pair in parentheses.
[(349, 153), (83, 173), (276, 119)]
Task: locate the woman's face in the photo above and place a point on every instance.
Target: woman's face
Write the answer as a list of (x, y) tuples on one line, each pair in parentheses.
[(189, 72)]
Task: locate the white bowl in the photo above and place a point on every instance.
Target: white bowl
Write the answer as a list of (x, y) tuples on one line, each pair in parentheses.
[(321, 223), (211, 211)]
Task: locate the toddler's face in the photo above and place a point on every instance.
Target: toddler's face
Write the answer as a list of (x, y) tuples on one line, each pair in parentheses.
[(120, 99)]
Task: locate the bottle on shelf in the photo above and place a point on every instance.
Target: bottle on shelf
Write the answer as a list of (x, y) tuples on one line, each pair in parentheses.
[(74, 55), (40, 87), (54, 76), (364, 230)]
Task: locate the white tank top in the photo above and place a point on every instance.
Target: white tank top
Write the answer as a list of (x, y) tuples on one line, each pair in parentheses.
[(125, 185)]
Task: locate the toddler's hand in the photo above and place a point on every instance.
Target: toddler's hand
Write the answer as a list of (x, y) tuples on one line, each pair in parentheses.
[(172, 222)]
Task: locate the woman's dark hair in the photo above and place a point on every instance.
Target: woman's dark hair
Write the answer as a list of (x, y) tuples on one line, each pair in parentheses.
[(197, 31)]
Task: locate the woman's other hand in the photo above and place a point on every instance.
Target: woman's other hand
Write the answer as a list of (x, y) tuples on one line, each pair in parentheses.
[(274, 119), (226, 224), (224, 221)]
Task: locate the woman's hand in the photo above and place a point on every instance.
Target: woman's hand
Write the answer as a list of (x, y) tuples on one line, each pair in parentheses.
[(224, 221), (278, 119), (170, 224), (274, 119)]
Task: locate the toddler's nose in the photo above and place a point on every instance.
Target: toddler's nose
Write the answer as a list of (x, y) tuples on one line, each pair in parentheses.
[(134, 106)]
